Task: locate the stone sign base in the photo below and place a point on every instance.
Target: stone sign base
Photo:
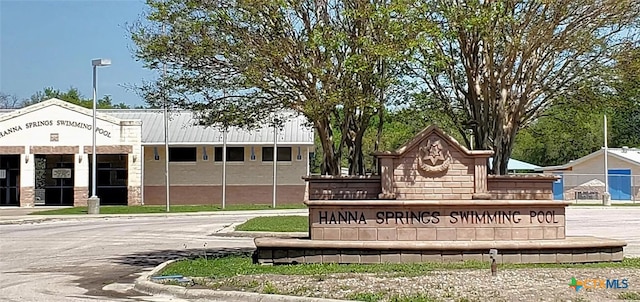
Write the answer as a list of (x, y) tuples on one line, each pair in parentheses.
[(568, 250), (436, 220), (400, 231), (435, 203)]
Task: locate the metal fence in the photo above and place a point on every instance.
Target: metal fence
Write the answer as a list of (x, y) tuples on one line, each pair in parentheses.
[(589, 188)]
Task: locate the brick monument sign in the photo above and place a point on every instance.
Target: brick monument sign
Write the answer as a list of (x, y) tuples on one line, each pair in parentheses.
[(434, 201)]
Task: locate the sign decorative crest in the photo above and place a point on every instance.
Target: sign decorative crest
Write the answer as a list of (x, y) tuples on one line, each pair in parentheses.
[(433, 157)]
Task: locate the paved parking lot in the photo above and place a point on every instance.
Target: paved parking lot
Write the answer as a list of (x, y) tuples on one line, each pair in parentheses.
[(97, 259), (611, 222)]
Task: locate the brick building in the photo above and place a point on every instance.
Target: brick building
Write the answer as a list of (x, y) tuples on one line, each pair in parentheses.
[(46, 153)]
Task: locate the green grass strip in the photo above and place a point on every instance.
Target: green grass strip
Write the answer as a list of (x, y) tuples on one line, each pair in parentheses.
[(235, 265), (276, 224), (162, 209)]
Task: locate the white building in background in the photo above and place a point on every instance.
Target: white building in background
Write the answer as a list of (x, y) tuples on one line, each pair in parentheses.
[(583, 179), (45, 155)]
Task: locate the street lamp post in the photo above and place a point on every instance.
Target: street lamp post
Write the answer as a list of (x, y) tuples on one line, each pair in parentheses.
[(606, 197), (93, 204)]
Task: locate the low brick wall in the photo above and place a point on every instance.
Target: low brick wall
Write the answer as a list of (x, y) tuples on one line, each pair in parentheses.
[(572, 250), (522, 187), (212, 195), (343, 187)]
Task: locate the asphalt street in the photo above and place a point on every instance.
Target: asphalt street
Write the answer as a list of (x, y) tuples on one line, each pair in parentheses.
[(98, 259)]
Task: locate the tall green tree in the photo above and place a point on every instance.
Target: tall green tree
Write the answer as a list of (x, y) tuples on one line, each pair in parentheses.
[(400, 126), (237, 62), (625, 121), (568, 130), (494, 66), (574, 125), (75, 97)]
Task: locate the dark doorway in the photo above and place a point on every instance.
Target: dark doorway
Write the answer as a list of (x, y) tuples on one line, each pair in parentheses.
[(54, 179), (112, 177), (9, 180)]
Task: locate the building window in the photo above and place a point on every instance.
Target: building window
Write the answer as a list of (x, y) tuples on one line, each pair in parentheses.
[(233, 154), (284, 153), (183, 154)]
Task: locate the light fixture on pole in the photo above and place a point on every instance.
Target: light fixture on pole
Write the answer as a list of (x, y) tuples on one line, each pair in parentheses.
[(93, 204), (165, 119), (606, 197)]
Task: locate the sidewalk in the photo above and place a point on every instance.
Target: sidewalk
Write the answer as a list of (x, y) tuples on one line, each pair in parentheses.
[(21, 215)]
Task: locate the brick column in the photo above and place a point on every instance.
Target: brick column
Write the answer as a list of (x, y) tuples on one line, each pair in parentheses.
[(134, 196), (480, 179), (80, 196), (81, 179), (27, 180), (132, 134), (386, 178)]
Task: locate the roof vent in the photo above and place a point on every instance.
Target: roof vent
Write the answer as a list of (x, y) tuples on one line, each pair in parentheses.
[(624, 149)]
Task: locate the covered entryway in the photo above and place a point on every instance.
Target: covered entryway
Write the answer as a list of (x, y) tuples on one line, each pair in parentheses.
[(9, 180), (112, 177), (54, 179)]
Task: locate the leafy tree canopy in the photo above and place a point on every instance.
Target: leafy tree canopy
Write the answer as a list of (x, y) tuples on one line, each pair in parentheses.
[(73, 96), (239, 62), (495, 66), (574, 126)]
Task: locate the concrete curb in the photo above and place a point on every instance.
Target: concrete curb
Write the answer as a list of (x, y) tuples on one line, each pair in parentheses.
[(42, 218), (230, 231), (296, 235), (143, 285), (29, 220)]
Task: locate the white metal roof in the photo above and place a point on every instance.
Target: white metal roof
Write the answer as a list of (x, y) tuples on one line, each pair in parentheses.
[(631, 155), (183, 129), (516, 165)]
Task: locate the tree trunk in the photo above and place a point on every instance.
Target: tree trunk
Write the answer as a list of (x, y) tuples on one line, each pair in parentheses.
[(353, 139), (376, 145), (356, 166), (503, 145), (330, 162)]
